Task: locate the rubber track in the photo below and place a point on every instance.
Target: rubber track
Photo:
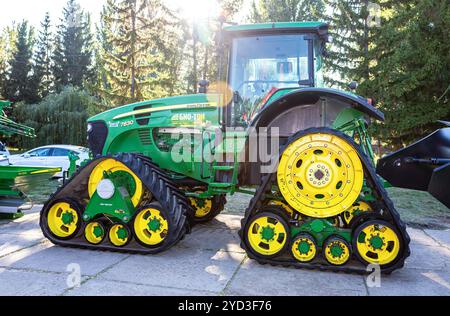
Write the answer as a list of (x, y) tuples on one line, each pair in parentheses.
[(373, 181), (155, 180)]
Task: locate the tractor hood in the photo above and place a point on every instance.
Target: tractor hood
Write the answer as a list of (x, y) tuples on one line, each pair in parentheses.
[(136, 110)]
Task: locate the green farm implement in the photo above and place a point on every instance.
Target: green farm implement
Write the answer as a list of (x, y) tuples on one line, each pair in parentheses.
[(16, 181), (271, 130)]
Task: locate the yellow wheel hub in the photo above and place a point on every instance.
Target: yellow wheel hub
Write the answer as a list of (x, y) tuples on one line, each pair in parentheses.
[(111, 166), (377, 243), (202, 207), (357, 207), (304, 248), (119, 235), (62, 220), (151, 227), (267, 235), (320, 175), (94, 233), (337, 251)]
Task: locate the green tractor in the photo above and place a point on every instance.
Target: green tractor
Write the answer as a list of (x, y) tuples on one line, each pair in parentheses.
[(272, 131)]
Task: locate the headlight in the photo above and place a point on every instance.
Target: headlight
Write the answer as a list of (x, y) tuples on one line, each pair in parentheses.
[(89, 128)]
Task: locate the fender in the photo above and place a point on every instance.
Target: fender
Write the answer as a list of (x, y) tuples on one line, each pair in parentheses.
[(307, 96)]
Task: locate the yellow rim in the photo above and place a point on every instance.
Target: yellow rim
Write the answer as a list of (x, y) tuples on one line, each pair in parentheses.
[(286, 207), (151, 227), (378, 244), (202, 207), (267, 235), (357, 207), (111, 166), (62, 220), (337, 252), (304, 248), (94, 233), (118, 235), (320, 175)]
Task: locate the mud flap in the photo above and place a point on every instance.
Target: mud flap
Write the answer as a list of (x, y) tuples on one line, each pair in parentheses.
[(439, 184)]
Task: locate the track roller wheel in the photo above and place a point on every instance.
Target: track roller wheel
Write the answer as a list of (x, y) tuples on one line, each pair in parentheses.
[(358, 207), (95, 233), (63, 219), (116, 169), (320, 175), (151, 225), (207, 209), (304, 248), (119, 235), (267, 234), (336, 250), (377, 242)]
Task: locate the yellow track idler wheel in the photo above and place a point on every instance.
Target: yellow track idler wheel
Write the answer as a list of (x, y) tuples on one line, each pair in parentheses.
[(358, 207), (202, 207), (289, 211), (267, 234), (304, 248), (151, 225), (63, 219), (320, 175), (115, 168), (94, 233), (377, 242), (119, 235), (336, 250)]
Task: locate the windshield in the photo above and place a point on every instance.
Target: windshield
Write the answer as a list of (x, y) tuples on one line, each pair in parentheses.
[(261, 64)]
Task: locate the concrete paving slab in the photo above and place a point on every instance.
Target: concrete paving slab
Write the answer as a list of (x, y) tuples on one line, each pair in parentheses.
[(47, 257), (232, 222), (97, 287), (428, 258), (31, 283), (418, 236), (265, 280), (28, 224), (10, 243), (441, 236), (214, 239), (179, 268), (413, 282)]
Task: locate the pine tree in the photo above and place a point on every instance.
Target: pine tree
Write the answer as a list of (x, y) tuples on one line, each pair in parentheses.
[(72, 57), (7, 46), (20, 67), (42, 76), (286, 10), (141, 51)]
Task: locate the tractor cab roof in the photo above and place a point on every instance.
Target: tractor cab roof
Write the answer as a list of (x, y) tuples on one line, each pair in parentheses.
[(319, 28)]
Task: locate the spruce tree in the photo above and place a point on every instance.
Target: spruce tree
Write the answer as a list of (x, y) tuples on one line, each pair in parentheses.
[(18, 86), (42, 76), (140, 51), (411, 79), (286, 10), (72, 57)]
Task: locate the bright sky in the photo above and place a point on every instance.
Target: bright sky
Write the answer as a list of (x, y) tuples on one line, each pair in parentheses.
[(34, 10)]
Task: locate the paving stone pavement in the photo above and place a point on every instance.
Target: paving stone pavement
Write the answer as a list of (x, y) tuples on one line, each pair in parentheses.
[(208, 262)]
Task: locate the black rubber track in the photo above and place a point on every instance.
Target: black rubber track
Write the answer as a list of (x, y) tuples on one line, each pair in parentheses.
[(389, 213), (163, 190)]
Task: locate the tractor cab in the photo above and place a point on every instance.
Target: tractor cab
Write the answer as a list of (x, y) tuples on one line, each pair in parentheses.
[(268, 60)]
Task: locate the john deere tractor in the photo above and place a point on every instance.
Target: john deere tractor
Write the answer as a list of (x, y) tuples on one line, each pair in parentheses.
[(317, 200)]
